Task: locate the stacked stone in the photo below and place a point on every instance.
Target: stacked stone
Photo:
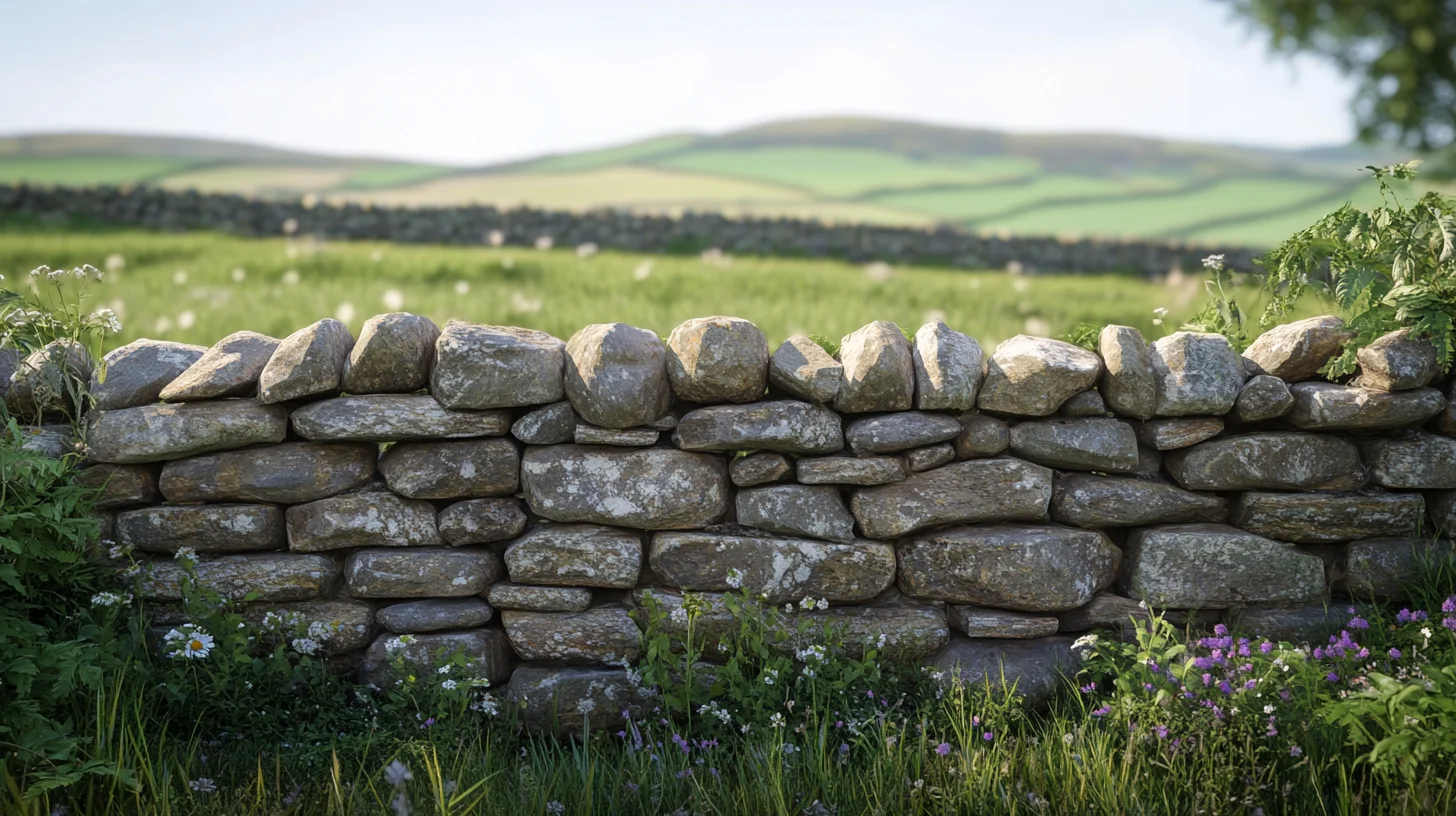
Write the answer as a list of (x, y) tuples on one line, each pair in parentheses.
[(498, 491)]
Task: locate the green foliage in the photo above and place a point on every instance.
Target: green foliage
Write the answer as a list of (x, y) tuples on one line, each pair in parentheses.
[(1085, 335), (1222, 314), (830, 346), (1405, 723)]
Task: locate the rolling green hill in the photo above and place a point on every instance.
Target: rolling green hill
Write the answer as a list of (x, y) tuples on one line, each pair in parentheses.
[(838, 169)]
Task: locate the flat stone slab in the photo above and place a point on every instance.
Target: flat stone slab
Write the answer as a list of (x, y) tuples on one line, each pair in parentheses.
[(605, 634), (1317, 518), (1105, 611), (646, 488), (802, 369), (1273, 460), (980, 490), (576, 555), (121, 485), (435, 615), (1023, 567), (1034, 670), (796, 510), (289, 473), (486, 654), (1212, 566), (421, 573), (1330, 407), (785, 426), (1384, 569), (1084, 500), (307, 363), (759, 468), (585, 434), (228, 369), (393, 418), (982, 622), (155, 433), (900, 632), (566, 701), (890, 433), (1033, 376), (1311, 623), (717, 359), (208, 528), (930, 457), (879, 370), (481, 521), (552, 425), (483, 367), (338, 626), (1415, 461), (137, 372), (1077, 444), (948, 368), (267, 576), (394, 354), (540, 598), (1171, 434), (851, 470), (370, 519), (783, 569), (461, 469)]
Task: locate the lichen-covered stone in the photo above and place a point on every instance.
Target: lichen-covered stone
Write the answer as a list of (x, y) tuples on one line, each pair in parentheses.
[(1033, 376), (717, 359), (265, 576), (980, 490), (897, 632), (625, 437), (1128, 384), (337, 626), (930, 457), (864, 470), (1273, 460), (394, 354), (48, 381), (482, 367), (1330, 407), (947, 368), (1315, 518), (1104, 611), (540, 598), (481, 521), (1025, 567), (486, 654), (605, 634), (1085, 500), (421, 573), (1416, 461), (1263, 397), (121, 485), (1442, 506), (1196, 373), (576, 555), (1397, 362), (646, 488), (468, 468), (1311, 623), (783, 569), (616, 375), (759, 468), (1034, 670), (803, 369), (879, 370), (785, 426), (206, 528), (982, 437), (229, 369), (796, 510), (1077, 444), (982, 622), (890, 433), (566, 701), (136, 373), (373, 518), (1212, 566), (289, 473), (54, 441), (1085, 404), (1171, 434), (1297, 351), (393, 418), (154, 433), (307, 363), (1385, 569), (435, 615), (552, 425)]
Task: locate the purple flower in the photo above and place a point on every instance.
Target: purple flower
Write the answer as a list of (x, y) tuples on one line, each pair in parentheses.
[(1403, 616), (1223, 686), (843, 747), (1358, 622), (1207, 679), (1220, 630), (988, 736), (1266, 647), (1449, 605), (1099, 712), (943, 749), (631, 786), (1161, 731), (1089, 688), (1332, 677), (1295, 750)]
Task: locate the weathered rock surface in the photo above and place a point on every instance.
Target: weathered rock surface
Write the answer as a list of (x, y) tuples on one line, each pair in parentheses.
[(1311, 623), (947, 368), (435, 615), (1196, 373), (982, 437), (1297, 351), (136, 373), (576, 555), (785, 426), (717, 359), (552, 425), (1128, 384), (48, 380), (898, 632), (289, 473), (1316, 518), (1034, 670), (1442, 506), (207, 528), (982, 622), (1329, 407), (229, 369), (1397, 362), (1030, 568), (647, 488), (121, 485), (1077, 444), (801, 368), (1419, 461), (153, 433), (1385, 569), (783, 569), (343, 625), (605, 634), (52, 441), (896, 432), (308, 362), (759, 468), (267, 576), (482, 367), (1033, 376), (624, 438), (1263, 397), (866, 470), (566, 701), (394, 354), (539, 598), (1274, 460), (393, 418), (616, 375), (981, 490), (1085, 404), (470, 468), (796, 510), (930, 457), (486, 653), (481, 521), (1084, 500), (421, 573), (374, 518), (1104, 611), (1212, 566), (879, 370), (1171, 434)]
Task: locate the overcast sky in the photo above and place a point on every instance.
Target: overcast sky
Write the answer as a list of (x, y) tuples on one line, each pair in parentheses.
[(486, 81)]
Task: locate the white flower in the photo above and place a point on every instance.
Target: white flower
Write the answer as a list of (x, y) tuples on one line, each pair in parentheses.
[(734, 578), (443, 670), (486, 705), (56, 274), (393, 299), (239, 274), (448, 685), (679, 615), (40, 270), (179, 277), (1213, 262), (395, 644), (290, 277), (107, 319), (186, 319), (643, 271), (110, 599), (345, 312), (189, 641), (462, 288), (807, 603), (1268, 709), (185, 554), (306, 646), (777, 720), (115, 262), (586, 705), (396, 774), (1160, 312), (1426, 632), (823, 604), (117, 551), (555, 808), (1084, 642), (202, 785)]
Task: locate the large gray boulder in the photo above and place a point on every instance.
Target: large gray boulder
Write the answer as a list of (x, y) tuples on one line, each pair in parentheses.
[(759, 468), (1328, 407), (982, 437), (394, 354), (890, 433), (485, 652), (155, 433), (647, 488), (781, 569), (879, 370), (229, 369), (1084, 500), (1297, 351), (1311, 623), (1274, 460), (1077, 444), (851, 470), (1263, 397), (368, 519), (717, 359), (307, 363), (463, 469), (796, 510), (393, 418), (605, 634), (1318, 518), (421, 573), (263, 576), (120, 485), (482, 367), (49, 381), (1127, 384), (983, 622), (1397, 362), (566, 701), (481, 521), (551, 425), (580, 555), (435, 615), (780, 425), (206, 528), (1025, 567), (1389, 569), (136, 373), (1033, 376), (1212, 566), (980, 490), (1033, 670), (540, 598), (1415, 461), (1196, 373), (802, 368), (616, 375), (947, 368), (290, 473), (1179, 432)]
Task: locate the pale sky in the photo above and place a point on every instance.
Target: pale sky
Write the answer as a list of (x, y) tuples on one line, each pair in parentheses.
[(486, 81)]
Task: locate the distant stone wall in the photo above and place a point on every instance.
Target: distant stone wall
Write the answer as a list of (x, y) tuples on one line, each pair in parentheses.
[(500, 491), (154, 208)]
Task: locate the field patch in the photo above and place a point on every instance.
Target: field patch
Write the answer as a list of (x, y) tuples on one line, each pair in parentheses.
[(259, 180), (84, 170), (841, 172)]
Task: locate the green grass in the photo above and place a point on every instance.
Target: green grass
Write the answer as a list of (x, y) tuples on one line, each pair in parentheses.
[(606, 157), (82, 170), (970, 204), (378, 176)]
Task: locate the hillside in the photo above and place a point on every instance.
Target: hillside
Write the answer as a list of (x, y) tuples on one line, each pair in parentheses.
[(841, 169)]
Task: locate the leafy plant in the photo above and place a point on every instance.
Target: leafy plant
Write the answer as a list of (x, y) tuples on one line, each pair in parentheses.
[(1084, 335), (1222, 314)]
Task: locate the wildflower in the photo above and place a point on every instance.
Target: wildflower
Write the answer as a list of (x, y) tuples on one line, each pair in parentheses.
[(943, 749), (110, 599), (776, 721), (462, 288), (1214, 262), (115, 262), (1394, 653), (1426, 632), (679, 615), (1449, 605), (555, 808), (56, 274), (107, 319), (185, 554), (1449, 623), (988, 736), (1068, 738), (393, 299), (189, 641), (734, 578), (202, 785), (1161, 731), (290, 277), (1295, 750), (1102, 712), (40, 270), (1358, 623), (396, 774), (179, 277), (586, 705), (345, 313)]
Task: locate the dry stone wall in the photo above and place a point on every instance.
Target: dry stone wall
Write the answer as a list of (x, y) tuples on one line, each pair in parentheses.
[(963, 509)]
